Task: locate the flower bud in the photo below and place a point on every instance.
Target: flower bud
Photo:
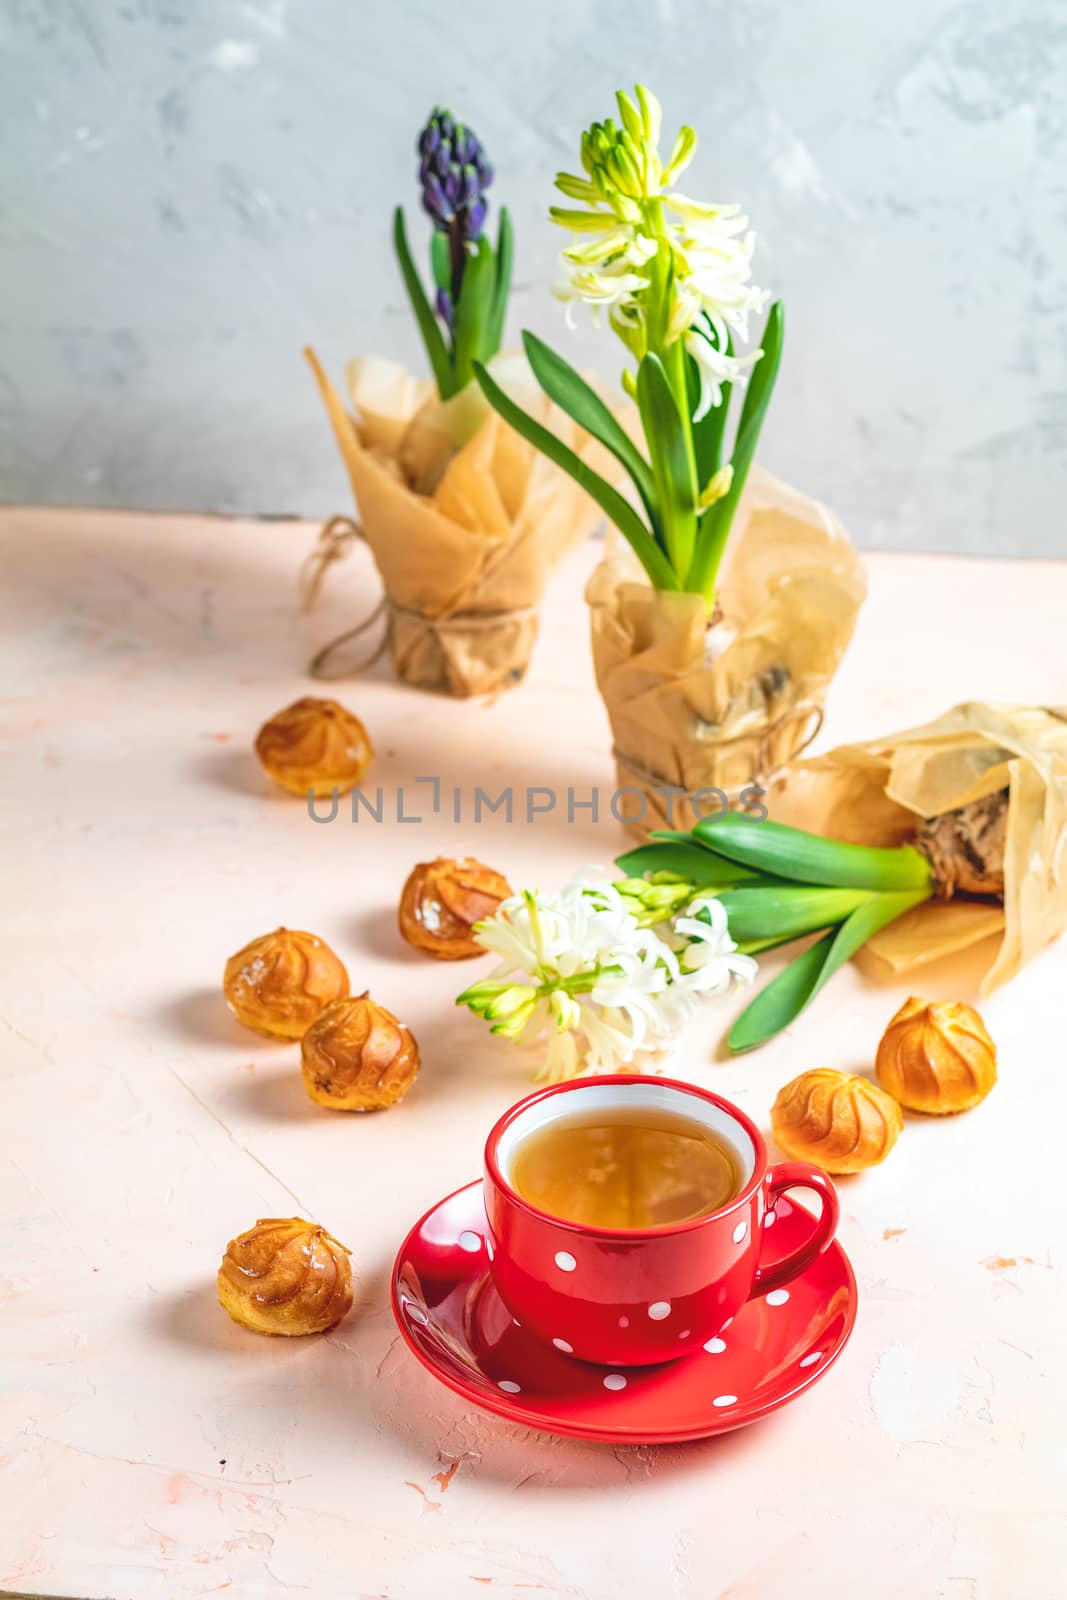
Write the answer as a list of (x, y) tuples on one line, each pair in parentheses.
[(631, 119), (651, 112), (565, 1009), (682, 154), (433, 199), (474, 220)]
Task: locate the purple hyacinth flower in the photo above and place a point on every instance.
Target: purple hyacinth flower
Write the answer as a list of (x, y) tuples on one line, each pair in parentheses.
[(433, 198), (453, 187), (474, 219), (454, 175)]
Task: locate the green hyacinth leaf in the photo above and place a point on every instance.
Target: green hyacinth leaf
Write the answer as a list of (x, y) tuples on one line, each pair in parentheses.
[(786, 852), (698, 867), (608, 498), (786, 996), (429, 327), (505, 256), (569, 390), (716, 523), (787, 911), (441, 260), (473, 311), (672, 462)]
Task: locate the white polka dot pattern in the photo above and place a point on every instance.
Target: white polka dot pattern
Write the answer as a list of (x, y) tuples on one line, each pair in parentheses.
[(777, 1297), (509, 1387), (725, 1400), (615, 1380), (561, 1344), (659, 1310), (565, 1261), (809, 1361), (470, 1242), (715, 1347), (739, 1232)]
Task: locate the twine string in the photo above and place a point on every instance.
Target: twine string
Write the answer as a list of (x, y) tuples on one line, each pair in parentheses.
[(807, 712), (336, 539)]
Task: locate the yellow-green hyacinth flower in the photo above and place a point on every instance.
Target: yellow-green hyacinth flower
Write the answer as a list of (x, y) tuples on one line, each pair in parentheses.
[(667, 267)]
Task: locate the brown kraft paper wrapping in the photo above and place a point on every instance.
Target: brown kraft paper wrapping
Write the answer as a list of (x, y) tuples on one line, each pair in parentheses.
[(872, 793), (465, 520), (696, 708)]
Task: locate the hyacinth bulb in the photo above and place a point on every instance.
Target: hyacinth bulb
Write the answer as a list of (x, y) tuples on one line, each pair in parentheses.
[(841, 1122), (441, 902), (315, 745), (358, 1057), (286, 1276), (278, 984), (937, 1058)]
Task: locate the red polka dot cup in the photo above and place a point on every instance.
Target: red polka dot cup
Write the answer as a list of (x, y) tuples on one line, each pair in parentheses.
[(627, 1297)]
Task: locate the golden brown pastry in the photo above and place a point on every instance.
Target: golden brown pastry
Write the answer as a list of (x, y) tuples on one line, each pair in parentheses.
[(286, 1276), (937, 1057), (358, 1057), (842, 1122), (314, 744), (441, 902), (279, 983)]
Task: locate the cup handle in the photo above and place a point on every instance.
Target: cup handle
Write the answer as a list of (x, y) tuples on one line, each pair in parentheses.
[(790, 1175)]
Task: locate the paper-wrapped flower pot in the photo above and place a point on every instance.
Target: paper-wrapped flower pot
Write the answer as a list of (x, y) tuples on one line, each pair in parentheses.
[(995, 779), (699, 712), (465, 520)]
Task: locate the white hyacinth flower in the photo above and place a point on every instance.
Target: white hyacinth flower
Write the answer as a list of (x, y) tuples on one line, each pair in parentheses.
[(630, 213), (583, 980)]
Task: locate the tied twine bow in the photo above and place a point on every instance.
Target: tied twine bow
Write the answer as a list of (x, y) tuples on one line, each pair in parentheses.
[(336, 539)]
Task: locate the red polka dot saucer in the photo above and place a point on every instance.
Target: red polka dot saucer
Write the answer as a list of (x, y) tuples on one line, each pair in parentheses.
[(455, 1323)]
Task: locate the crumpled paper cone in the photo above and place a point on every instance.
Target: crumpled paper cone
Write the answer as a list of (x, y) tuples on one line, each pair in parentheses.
[(872, 793), (723, 708), (465, 520)]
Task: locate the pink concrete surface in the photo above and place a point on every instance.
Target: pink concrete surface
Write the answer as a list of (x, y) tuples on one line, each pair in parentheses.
[(151, 1449)]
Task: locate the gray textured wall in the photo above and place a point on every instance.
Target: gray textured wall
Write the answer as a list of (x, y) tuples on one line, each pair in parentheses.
[(191, 189)]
